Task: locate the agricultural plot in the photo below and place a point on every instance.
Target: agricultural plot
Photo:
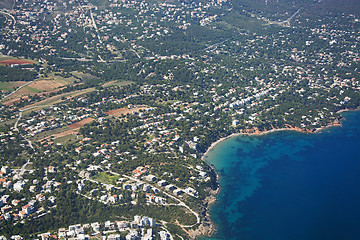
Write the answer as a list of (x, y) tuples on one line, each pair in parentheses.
[(40, 86), (56, 99), (10, 86), (63, 134), (81, 123), (16, 62)]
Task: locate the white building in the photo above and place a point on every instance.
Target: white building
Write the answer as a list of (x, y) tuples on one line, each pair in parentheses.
[(178, 192), (162, 183), (150, 178), (132, 235), (5, 169), (146, 187), (95, 226), (114, 237), (235, 123), (18, 186), (170, 187), (146, 221), (164, 235)]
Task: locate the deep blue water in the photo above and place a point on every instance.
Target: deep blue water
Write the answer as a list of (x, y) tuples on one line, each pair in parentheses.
[(290, 186)]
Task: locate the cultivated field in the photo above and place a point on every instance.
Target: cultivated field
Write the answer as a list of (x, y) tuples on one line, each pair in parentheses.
[(16, 61), (56, 99), (10, 86), (47, 85), (81, 123), (40, 86), (70, 130)]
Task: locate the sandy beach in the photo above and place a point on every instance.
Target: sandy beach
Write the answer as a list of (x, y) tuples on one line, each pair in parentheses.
[(251, 132)]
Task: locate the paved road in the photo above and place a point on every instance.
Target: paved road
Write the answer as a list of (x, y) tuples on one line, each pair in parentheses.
[(181, 203), (8, 14), (17, 90)]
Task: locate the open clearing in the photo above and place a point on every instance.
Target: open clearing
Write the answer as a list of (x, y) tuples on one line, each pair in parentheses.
[(66, 133), (84, 76), (123, 111), (117, 83), (66, 139), (7, 4), (81, 123), (106, 178), (46, 85), (10, 86), (47, 134)]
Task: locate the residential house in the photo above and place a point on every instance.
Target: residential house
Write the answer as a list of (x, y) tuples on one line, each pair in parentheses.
[(170, 187), (162, 183), (28, 209), (114, 237), (150, 178)]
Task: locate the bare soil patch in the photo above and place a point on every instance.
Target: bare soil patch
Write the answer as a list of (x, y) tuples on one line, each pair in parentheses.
[(123, 111), (74, 130), (81, 123), (16, 61), (46, 85)]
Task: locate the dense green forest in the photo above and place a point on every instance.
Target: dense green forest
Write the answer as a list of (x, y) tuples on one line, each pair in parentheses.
[(9, 74)]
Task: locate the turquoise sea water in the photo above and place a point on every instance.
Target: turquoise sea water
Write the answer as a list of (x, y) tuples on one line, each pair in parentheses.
[(289, 186)]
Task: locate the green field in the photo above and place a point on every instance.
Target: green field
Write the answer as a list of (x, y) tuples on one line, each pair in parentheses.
[(10, 86), (56, 99), (48, 133), (117, 83), (105, 177)]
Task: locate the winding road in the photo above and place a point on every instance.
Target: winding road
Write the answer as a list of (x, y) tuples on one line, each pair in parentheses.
[(181, 203), (17, 122), (11, 16)]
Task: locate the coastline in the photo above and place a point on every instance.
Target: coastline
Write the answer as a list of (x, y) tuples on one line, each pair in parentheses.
[(256, 132), (206, 228), (211, 199)]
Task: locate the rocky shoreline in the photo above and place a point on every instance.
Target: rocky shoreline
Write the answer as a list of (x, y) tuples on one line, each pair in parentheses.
[(207, 227)]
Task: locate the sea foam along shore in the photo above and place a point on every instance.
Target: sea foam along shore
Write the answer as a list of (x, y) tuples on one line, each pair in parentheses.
[(211, 199)]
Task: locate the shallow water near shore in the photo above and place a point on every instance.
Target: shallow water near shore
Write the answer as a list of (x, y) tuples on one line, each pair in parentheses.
[(289, 185)]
